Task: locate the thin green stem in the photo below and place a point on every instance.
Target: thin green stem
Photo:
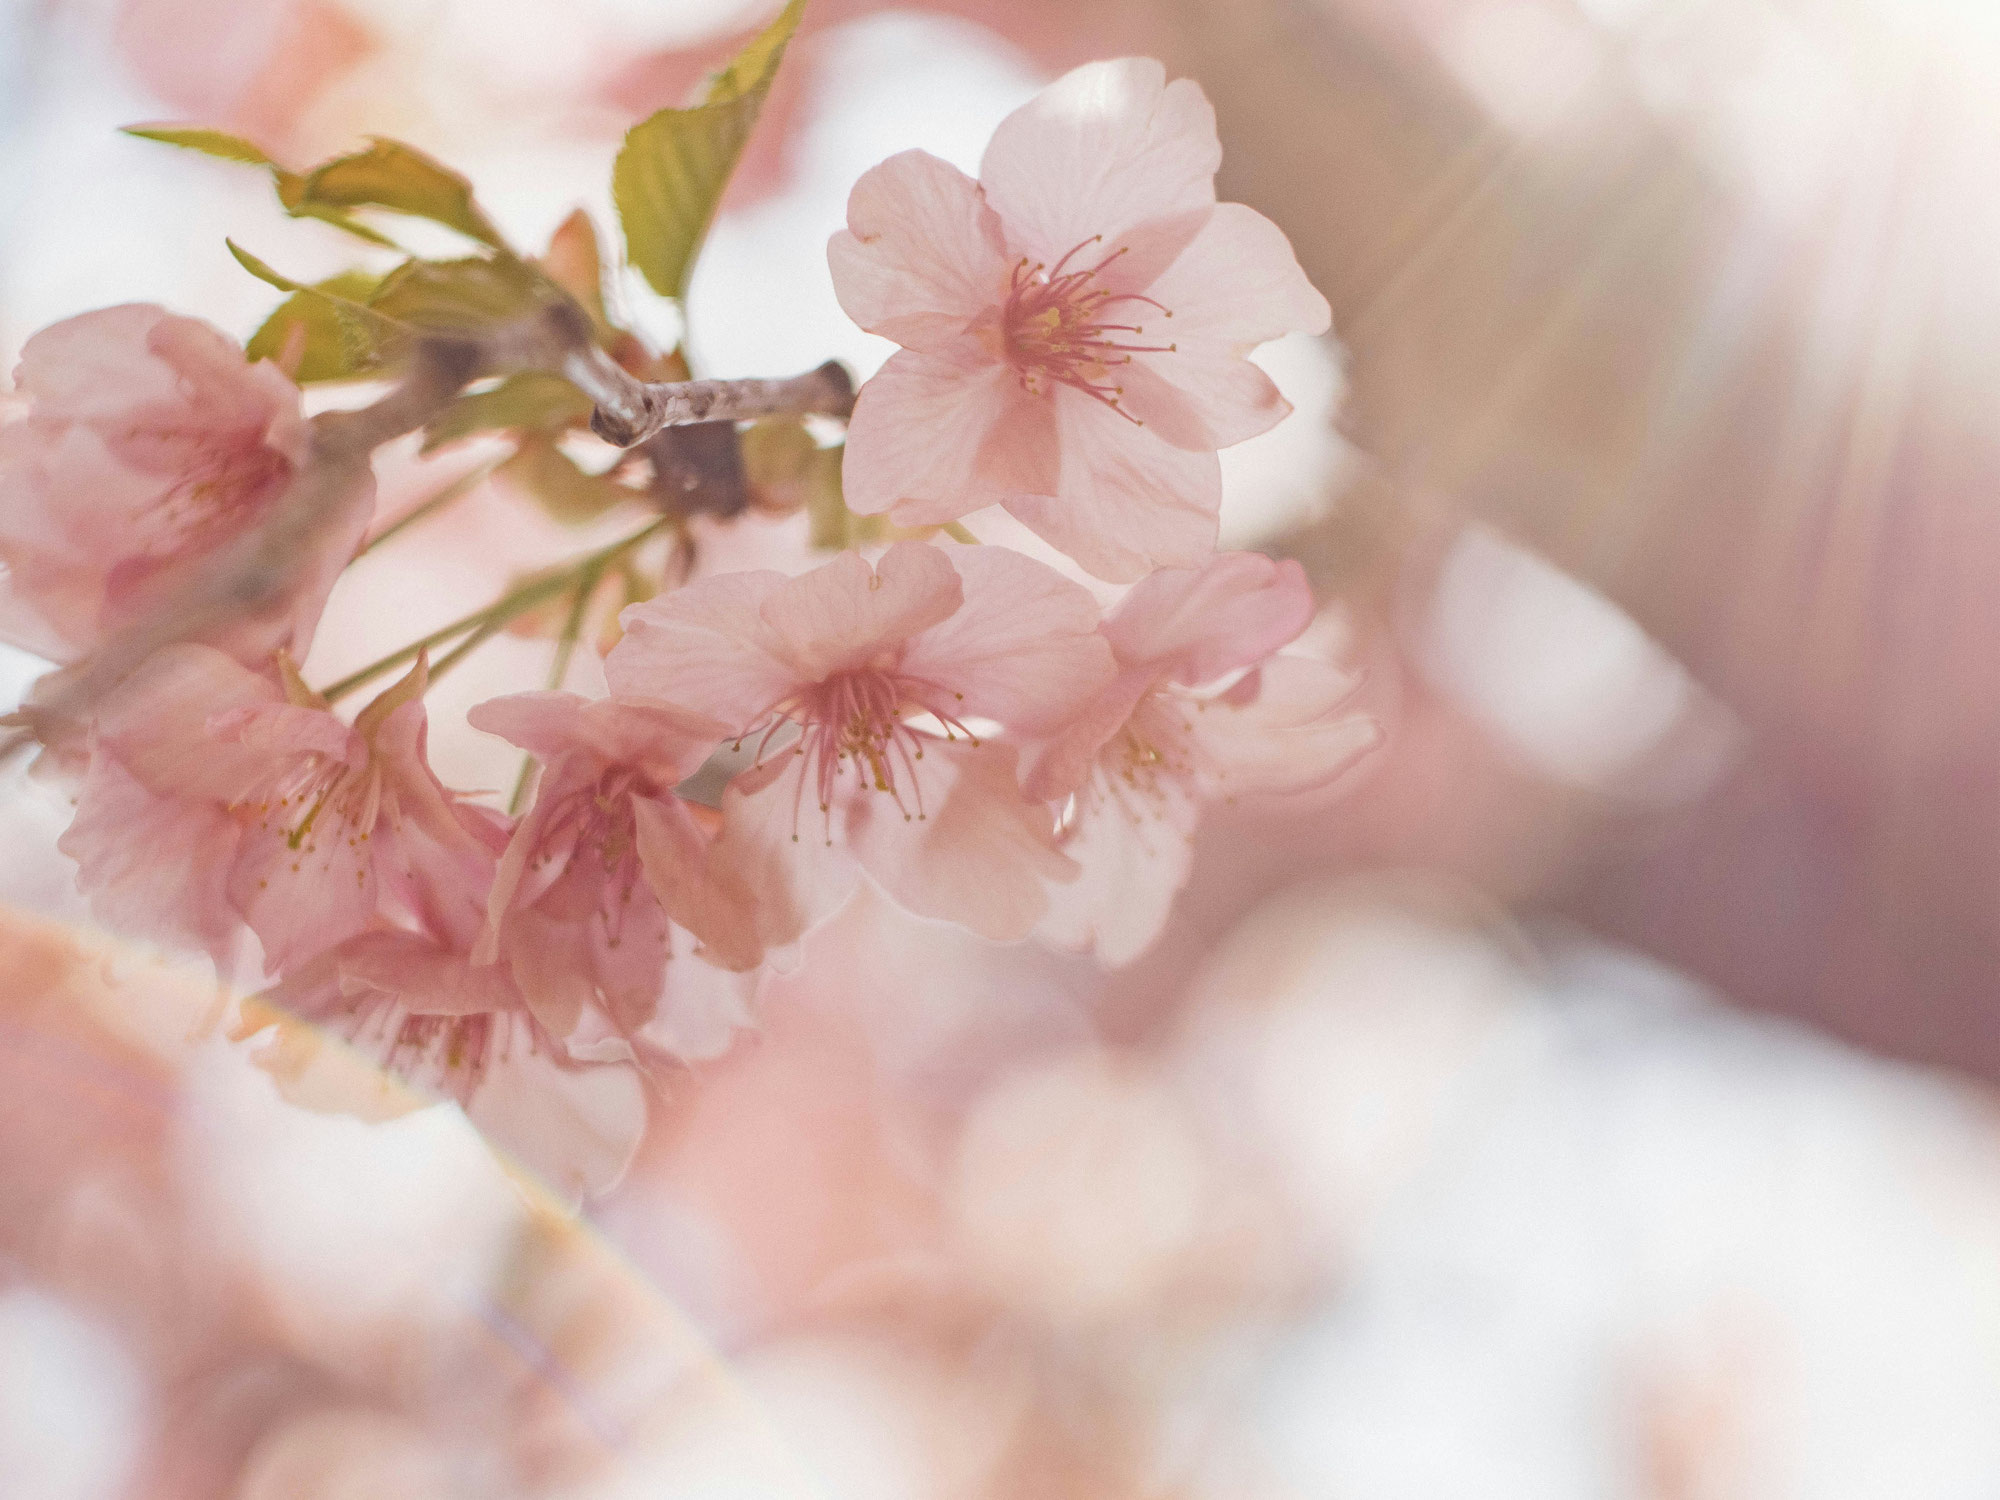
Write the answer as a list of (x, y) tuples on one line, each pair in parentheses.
[(465, 648), (505, 608), (572, 627), (424, 509), (572, 630), (516, 601)]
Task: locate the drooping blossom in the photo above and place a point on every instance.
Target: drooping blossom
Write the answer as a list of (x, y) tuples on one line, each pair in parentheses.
[(866, 695), (608, 862), (1074, 324), (1205, 707), (215, 797), (438, 1026), (149, 443)]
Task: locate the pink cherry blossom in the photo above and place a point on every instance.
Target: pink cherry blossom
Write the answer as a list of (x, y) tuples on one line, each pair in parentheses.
[(148, 442), (216, 796), (608, 862), (865, 692), (440, 1026), (1202, 709), (1074, 324)]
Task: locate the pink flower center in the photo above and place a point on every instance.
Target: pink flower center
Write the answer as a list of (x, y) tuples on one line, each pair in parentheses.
[(442, 1054), (1055, 327), (315, 797), (220, 482), (595, 836), (1152, 748), (858, 721)]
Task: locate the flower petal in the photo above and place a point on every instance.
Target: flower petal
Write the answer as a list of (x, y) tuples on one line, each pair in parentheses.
[(439, 863), (161, 723), (701, 1009), (921, 439), (697, 891), (302, 899), (842, 615), (1235, 286), (84, 368), (664, 741), (1196, 624), (705, 648), (1024, 649), (576, 1128), (1133, 843), (921, 256), (154, 867), (1062, 763), (981, 854), (1126, 503), (1105, 149), (1284, 734), (776, 842), (1238, 285)]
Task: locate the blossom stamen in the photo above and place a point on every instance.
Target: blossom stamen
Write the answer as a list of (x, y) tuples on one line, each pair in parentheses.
[(1053, 328), (860, 719)]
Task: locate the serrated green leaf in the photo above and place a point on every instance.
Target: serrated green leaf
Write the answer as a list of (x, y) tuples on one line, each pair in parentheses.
[(670, 173), (462, 296), (344, 337), (531, 401), (402, 179), (562, 489), (328, 342), (756, 65), (290, 185)]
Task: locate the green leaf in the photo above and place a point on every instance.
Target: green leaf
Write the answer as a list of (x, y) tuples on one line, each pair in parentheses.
[(787, 471), (565, 491), (671, 171), (290, 185), (832, 525), (401, 179), (208, 142), (462, 296), (343, 336), (262, 271), (329, 342), (531, 401)]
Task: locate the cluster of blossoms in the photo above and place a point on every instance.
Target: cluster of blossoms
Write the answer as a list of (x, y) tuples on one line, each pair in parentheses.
[(961, 724)]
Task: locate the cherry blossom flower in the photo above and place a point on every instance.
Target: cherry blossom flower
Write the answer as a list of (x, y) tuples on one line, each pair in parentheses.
[(148, 442), (1202, 709), (608, 861), (883, 677), (215, 796), (440, 1026), (1074, 324)]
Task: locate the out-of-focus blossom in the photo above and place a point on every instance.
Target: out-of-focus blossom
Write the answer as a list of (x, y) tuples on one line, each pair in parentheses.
[(1203, 708), (1074, 324), (570, 1109), (608, 860), (216, 796), (882, 672), (252, 66), (149, 442)]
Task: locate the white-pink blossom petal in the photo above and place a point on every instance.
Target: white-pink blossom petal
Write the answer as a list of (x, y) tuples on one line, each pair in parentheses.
[(1105, 149), (922, 253)]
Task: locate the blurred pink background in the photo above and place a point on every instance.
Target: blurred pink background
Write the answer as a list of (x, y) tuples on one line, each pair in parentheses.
[(1589, 1097)]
